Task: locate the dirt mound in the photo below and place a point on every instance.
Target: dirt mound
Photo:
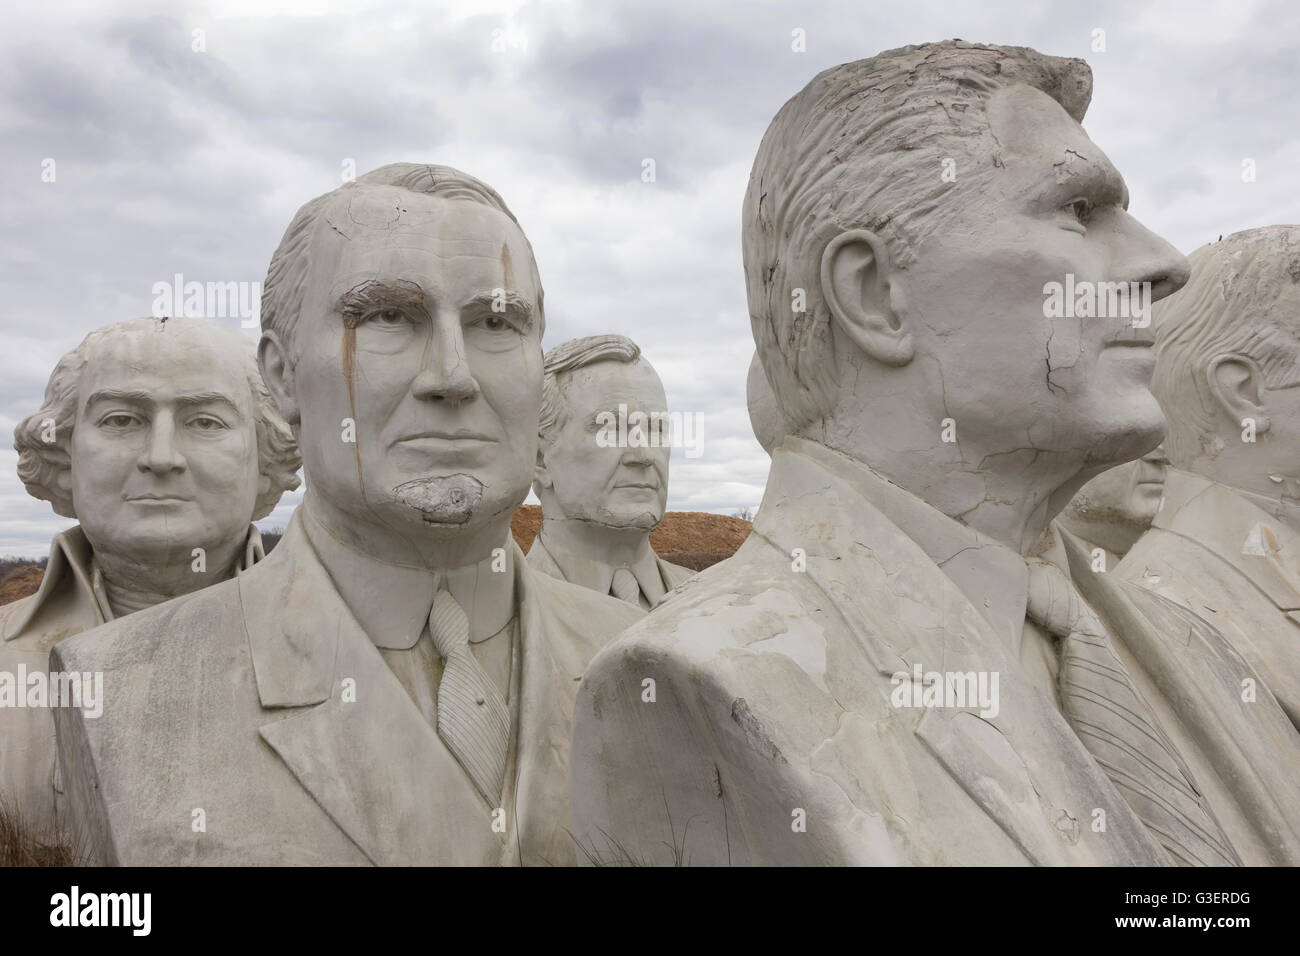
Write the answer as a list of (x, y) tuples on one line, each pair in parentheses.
[(693, 539), (20, 583)]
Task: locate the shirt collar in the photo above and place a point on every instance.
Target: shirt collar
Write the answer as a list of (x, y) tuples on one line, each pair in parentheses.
[(598, 575), (72, 565), (391, 602)]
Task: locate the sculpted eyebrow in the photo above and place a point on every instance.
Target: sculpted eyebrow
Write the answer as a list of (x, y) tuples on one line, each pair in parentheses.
[(138, 396), (374, 294), (515, 304), (141, 397), (208, 398)]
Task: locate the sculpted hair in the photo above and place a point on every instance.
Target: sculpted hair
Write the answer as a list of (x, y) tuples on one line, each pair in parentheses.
[(863, 145), (1228, 307), (42, 463), (286, 277), (570, 356)]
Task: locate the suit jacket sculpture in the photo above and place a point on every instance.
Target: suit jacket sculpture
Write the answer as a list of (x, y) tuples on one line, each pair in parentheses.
[(772, 739), (1220, 555), (65, 605), (654, 574), (286, 768)]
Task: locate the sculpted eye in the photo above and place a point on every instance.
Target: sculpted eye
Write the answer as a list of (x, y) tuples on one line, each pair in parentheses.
[(207, 423), (495, 322), (1080, 209), (387, 318), (118, 420)]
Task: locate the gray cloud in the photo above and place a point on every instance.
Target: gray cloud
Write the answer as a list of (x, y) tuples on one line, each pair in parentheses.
[(174, 161)]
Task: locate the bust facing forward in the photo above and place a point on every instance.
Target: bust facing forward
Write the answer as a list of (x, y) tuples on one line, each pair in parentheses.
[(602, 471), (161, 439), (393, 684)]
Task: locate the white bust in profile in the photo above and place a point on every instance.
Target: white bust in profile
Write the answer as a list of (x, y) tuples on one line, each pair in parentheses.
[(817, 695), (1227, 542), (161, 439), (603, 488)]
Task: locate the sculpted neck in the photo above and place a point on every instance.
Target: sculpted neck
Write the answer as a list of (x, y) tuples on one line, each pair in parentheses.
[(597, 542), (1010, 497), (430, 548), (134, 582)]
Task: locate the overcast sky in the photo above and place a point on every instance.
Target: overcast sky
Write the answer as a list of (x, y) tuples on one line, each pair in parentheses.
[(169, 159)]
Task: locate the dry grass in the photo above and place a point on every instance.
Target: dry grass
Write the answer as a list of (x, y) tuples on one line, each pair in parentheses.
[(21, 845)]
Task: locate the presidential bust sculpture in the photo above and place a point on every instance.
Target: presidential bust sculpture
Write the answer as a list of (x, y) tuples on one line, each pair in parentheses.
[(393, 684), (602, 471), (879, 675), (1227, 543), (1113, 510), (160, 438)]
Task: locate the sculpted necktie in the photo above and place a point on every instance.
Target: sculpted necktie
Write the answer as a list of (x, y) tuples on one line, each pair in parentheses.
[(473, 720), (1117, 727), (626, 588)]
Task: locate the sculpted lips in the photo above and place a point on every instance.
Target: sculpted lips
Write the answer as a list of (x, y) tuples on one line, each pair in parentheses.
[(434, 437), (158, 499)]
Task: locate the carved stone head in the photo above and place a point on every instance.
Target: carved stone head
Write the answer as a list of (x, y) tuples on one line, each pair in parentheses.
[(158, 436), (402, 320)]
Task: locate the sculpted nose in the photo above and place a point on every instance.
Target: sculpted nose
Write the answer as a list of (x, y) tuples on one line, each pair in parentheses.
[(161, 455), (446, 375), (1152, 259)]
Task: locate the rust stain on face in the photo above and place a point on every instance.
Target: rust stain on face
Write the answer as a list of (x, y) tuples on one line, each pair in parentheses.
[(508, 282), (350, 377)]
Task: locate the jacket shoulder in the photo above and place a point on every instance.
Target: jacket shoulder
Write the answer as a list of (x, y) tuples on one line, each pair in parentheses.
[(199, 621)]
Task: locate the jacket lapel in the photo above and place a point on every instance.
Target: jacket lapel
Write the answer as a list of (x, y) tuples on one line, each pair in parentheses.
[(539, 832), (901, 610), (64, 604), (346, 728)]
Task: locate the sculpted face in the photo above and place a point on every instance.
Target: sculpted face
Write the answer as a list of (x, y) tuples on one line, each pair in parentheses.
[(398, 334), (1129, 492), (612, 486), (164, 450), (1011, 377)]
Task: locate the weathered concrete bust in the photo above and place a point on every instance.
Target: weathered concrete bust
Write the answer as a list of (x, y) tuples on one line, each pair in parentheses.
[(393, 684), (764, 415), (602, 470), (1227, 543), (879, 675), (1116, 508), (160, 437)]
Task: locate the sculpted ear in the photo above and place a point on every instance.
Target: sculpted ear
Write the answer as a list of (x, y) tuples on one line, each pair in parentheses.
[(541, 474), (855, 278), (1237, 385), (277, 371)]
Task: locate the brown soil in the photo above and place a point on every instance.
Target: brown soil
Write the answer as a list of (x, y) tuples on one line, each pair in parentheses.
[(693, 539), (20, 583)]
